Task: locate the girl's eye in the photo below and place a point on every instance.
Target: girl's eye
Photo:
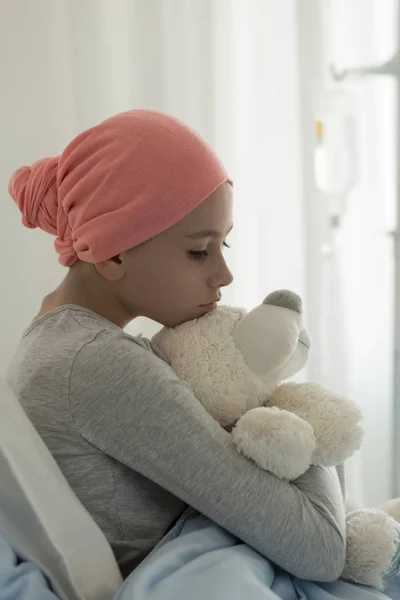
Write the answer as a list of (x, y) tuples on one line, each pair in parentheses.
[(198, 254), (201, 254)]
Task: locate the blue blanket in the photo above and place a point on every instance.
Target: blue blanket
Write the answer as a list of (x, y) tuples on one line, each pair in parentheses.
[(20, 580), (199, 560)]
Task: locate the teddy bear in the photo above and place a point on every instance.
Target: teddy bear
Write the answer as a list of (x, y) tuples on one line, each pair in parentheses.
[(238, 364)]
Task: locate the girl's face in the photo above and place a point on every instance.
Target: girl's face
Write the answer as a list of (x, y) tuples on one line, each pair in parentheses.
[(178, 275)]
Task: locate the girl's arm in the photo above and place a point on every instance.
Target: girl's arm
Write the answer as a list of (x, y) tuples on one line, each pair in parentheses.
[(129, 403)]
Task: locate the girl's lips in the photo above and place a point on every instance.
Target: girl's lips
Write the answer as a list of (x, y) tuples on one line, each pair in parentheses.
[(211, 306)]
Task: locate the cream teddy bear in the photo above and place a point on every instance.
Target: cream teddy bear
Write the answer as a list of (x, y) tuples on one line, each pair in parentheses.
[(235, 363)]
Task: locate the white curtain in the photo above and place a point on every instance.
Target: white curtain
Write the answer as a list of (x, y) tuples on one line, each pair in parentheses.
[(228, 67), (350, 295)]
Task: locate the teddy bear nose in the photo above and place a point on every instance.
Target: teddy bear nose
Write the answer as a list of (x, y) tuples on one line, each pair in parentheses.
[(285, 299)]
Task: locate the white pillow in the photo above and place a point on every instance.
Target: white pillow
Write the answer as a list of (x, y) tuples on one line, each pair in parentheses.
[(42, 518)]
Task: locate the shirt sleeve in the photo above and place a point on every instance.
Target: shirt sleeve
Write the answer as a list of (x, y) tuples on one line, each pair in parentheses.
[(129, 404)]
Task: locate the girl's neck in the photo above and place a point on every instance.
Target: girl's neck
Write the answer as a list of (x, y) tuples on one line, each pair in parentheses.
[(84, 287)]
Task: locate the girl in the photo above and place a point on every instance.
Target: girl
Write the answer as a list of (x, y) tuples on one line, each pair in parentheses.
[(141, 207)]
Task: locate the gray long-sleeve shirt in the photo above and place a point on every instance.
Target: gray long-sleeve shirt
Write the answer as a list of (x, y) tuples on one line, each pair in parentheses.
[(136, 447)]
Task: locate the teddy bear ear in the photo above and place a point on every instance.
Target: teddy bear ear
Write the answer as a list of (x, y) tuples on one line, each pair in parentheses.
[(285, 299)]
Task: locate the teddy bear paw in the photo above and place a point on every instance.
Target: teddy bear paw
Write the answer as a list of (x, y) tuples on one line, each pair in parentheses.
[(373, 548), (276, 440), (392, 508)]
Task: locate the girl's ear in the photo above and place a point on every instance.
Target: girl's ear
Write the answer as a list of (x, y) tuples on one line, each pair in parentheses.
[(113, 269)]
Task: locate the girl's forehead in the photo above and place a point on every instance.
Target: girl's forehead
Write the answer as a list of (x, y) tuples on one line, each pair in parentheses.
[(214, 214)]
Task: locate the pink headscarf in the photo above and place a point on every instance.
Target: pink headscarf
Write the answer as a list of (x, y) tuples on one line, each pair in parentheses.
[(117, 185)]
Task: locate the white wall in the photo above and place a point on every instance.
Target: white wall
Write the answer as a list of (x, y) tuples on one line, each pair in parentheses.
[(37, 118), (229, 68)]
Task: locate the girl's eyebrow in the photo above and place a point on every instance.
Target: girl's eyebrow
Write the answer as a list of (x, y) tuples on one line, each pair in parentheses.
[(208, 233)]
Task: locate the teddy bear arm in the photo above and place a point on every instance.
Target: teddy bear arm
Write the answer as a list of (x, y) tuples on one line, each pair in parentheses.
[(276, 440), (336, 421)]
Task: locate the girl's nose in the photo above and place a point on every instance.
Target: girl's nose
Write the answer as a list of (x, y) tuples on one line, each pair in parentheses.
[(222, 277)]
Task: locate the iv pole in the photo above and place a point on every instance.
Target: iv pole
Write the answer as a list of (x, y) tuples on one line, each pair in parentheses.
[(392, 68)]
